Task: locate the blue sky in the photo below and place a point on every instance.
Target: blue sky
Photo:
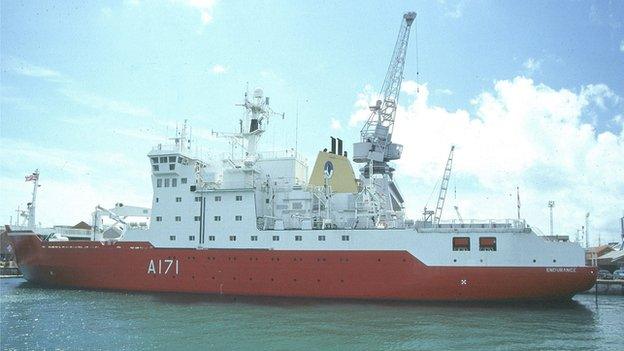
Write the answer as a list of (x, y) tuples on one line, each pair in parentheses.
[(89, 87)]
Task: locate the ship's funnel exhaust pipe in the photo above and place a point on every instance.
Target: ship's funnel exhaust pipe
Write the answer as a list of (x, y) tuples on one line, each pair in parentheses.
[(333, 145), (339, 146)]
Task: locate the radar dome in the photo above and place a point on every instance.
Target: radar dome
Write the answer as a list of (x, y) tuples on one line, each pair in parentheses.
[(258, 93)]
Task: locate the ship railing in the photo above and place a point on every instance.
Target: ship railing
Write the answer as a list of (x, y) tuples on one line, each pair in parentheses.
[(73, 232), (239, 159), (288, 153), (474, 225)]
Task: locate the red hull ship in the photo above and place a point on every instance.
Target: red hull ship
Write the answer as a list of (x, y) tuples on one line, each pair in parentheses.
[(375, 275), (262, 226)]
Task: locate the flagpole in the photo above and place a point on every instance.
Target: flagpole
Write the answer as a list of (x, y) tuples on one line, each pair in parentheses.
[(518, 194)]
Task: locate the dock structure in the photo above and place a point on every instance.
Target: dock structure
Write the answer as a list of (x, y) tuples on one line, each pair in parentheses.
[(608, 287)]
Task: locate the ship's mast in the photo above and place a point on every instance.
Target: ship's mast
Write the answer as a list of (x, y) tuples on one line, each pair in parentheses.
[(33, 204), (257, 114)]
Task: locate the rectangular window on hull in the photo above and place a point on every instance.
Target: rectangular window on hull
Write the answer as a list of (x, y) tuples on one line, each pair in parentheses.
[(239, 198), (191, 237), (254, 238), (461, 243), (166, 182), (217, 218), (178, 219), (321, 238), (172, 237), (183, 180), (217, 198), (232, 237), (197, 218), (211, 238), (238, 218), (275, 237), (174, 182), (487, 244), (159, 183), (158, 219), (298, 238), (345, 238), (197, 198), (178, 199), (156, 199)]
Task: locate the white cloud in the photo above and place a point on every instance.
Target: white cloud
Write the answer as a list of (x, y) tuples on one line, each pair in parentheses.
[(447, 92), (622, 46), (452, 8), (364, 100), (521, 134), (409, 87), (18, 66), (335, 124), (532, 65), (218, 69), (205, 8), (101, 103), (107, 12)]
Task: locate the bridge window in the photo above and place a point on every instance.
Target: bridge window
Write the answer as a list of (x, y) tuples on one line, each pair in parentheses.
[(155, 168), (159, 183), (191, 237), (239, 197), (154, 159), (232, 237), (172, 158), (167, 182), (183, 180), (254, 238), (163, 159), (217, 218), (171, 166), (487, 244), (174, 182), (239, 218), (461, 243), (321, 238), (172, 237), (298, 238)]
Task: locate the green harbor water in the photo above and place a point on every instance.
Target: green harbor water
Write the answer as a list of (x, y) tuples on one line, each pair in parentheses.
[(36, 318)]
